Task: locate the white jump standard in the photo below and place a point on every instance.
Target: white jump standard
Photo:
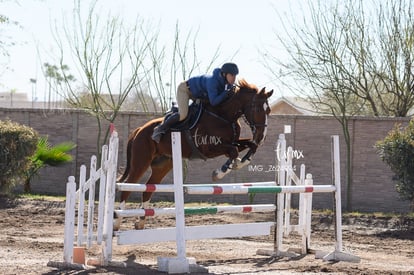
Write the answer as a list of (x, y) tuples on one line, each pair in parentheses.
[(285, 178)]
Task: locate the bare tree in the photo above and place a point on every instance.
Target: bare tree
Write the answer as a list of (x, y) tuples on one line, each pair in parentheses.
[(109, 57), (6, 41), (141, 101), (343, 65), (175, 64), (395, 74), (114, 61)]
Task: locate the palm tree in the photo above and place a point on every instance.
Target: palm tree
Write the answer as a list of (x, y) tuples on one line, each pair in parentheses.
[(47, 155)]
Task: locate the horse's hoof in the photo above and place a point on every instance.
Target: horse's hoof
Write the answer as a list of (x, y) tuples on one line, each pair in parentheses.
[(139, 225), (237, 164), (214, 175), (117, 224), (217, 175)]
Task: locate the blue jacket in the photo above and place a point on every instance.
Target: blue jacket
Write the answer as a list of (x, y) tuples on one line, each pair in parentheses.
[(211, 87)]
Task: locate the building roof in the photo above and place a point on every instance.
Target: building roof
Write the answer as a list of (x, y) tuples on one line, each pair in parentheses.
[(292, 106)]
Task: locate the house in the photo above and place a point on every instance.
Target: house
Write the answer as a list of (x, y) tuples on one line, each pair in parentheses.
[(14, 100), (292, 106), (20, 100)]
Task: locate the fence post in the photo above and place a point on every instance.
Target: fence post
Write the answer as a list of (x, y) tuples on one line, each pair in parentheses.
[(180, 264), (336, 178), (91, 202), (337, 254), (81, 204), (110, 199), (102, 189), (69, 220), (280, 201)]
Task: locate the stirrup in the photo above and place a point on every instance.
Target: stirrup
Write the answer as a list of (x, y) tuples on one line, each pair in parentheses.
[(161, 129)]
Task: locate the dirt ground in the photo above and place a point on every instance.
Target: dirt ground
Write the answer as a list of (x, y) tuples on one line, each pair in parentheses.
[(31, 235)]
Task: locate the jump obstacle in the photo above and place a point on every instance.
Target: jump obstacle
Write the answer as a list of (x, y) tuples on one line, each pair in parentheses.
[(282, 187)]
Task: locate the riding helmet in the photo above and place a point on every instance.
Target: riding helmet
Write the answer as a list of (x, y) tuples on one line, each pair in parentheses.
[(230, 68)]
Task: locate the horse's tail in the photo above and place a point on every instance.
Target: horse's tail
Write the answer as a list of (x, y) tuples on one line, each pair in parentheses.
[(128, 160)]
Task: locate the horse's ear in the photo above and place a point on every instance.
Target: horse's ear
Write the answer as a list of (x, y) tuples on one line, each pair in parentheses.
[(269, 94), (262, 90)]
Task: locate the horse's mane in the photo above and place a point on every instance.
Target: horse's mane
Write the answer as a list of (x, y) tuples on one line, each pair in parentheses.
[(242, 88), (243, 84)]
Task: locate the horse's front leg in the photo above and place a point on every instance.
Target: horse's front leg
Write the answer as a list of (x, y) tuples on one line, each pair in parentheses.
[(219, 173), (246, 159)]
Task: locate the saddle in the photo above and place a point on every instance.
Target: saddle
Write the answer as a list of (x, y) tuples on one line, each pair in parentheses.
[(194, 113)]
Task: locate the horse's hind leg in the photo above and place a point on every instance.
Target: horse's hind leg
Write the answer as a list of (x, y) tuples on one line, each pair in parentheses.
[(138, 167), (133, 177), (159, 170)]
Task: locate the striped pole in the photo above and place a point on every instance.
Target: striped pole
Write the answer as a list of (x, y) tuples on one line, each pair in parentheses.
[(136, 187), (264, 183), (128, 213), (218, 190)]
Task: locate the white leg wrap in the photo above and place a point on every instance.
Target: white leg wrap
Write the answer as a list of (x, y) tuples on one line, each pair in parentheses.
[(218, 174), (238, 164)]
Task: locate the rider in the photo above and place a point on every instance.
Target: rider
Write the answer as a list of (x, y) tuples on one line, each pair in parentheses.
[(216, 88)]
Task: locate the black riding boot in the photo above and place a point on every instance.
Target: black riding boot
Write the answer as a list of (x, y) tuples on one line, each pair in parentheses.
[(165, 126)]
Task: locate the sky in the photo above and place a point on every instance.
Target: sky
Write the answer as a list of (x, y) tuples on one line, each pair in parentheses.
[(239, 27)]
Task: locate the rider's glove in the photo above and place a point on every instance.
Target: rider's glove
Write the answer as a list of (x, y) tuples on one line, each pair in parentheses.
[(230, 88)]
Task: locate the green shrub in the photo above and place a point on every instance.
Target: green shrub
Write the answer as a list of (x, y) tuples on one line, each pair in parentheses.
[(397, 150), (17, 145), (45, 155)]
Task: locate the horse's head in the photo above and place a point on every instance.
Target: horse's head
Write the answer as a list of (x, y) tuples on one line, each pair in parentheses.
[(255, 108)]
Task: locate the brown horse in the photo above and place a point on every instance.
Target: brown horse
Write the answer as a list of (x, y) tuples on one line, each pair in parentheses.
[(216, 133)]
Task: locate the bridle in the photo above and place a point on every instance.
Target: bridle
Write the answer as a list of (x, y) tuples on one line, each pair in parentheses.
[(240, 113), (254, 107)]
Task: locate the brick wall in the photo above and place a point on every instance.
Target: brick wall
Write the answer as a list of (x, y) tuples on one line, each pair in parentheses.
[(372, 190)]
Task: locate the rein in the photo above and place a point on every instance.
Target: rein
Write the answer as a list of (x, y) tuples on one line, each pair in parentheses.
[(233, 123)]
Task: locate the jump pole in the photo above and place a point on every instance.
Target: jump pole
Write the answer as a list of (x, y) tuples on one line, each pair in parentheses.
[(150, 212), (163, 188)]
